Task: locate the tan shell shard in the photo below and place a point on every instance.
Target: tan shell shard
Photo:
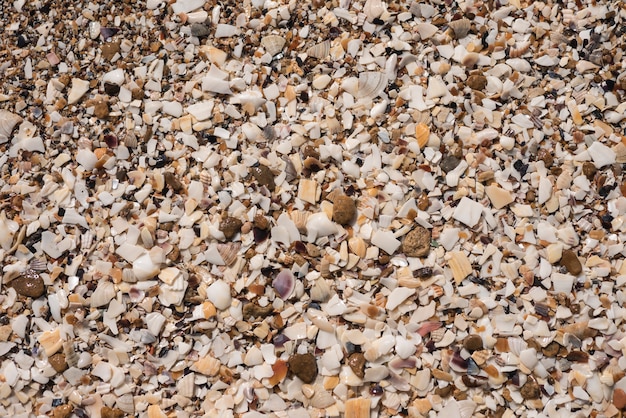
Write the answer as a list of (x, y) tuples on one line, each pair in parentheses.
[(51, 341), (358, 408), (229, 252), (208, 366), (273, 44), (357, 246), (8, 121), (319, 51), (460, 265), (460, 28), (371, 84), (422, 133), (470, 59), (299, 218)]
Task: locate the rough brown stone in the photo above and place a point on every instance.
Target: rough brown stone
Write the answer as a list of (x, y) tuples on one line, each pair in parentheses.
[(101, 109), (530, 390), (109, 50), (344, 210), (106, 412), (62, 411), (356, 361), (417, 242), (29, 284), (570, 261), (477, 82), (264, 176), (230, 227), (473, 342), (58, 363), (304, 367)]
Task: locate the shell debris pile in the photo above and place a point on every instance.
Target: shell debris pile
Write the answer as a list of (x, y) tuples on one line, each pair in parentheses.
[(301, 209)]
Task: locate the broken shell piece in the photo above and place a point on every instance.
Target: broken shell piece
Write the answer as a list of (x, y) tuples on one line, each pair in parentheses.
[(371, 84), (51, 341), (309, 191), (273, 44), (284, 283), (78, 90), (8, 121), (460, 28), (319, 51), (460, 265), (207, 365), (422, 133), (219, 294), (357, 246), (358, 408), (499, 197)]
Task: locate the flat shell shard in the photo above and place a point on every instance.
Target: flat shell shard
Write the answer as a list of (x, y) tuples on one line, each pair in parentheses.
[(460, 266), (358, 408), (51, 341), (468, 212), (319, 51), (273, 44), (601, 154), (371, 84), (284, 284), (207, 366), (78, 90), (8, 121), (308, 191), (499, 197)]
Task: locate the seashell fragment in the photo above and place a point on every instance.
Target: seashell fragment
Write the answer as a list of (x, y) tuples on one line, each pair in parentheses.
[(284, 283), (273, 44), (319, 51), (8, 121), (460, 27), (357, 408), (357, 246), (78, 90), (51, 341), (371, 84), (422, 133), (219, 294), (460, 265), (373, 9)]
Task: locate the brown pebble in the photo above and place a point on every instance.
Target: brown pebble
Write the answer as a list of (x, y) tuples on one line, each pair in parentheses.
[(417, 242), (530, 390), (101, 109), (473, 342), (62, 411), (253, 310), (264, 176), (356, 361), (589, 170), (106, 412), (476, 82), (173, 182), (29, 284), (570, 261), (449, 163), (344, 210), (230, 227), (109, 49), (577, 356), (530, 196), (619, 399), (58, 363), (303, 366)]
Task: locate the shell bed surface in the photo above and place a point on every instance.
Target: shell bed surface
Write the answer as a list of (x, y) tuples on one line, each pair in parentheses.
[(204, 208)]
